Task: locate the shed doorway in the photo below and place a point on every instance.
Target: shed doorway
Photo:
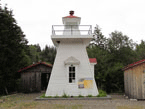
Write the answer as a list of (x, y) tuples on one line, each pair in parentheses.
[(44, 80)]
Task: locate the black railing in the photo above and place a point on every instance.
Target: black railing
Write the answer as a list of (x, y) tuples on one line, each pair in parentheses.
[(71, 29)]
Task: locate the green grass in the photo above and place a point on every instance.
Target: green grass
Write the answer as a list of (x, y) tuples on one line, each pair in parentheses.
[(43, 96), (17, 102), (80, 96), (56, 96), (60, 106), (65, 96), (131, 107), (26, 101), (102, 93), (89, 96)]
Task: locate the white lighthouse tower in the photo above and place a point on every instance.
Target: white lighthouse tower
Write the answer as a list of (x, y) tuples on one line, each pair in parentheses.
[(73, 72)]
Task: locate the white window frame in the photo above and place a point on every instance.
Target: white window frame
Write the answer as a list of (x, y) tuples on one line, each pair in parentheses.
[(75, 81), (72, 74)]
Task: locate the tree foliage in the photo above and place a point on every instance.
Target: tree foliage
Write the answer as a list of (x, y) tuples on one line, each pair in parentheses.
[(140, 50), (48, 54), (112, 55), (35, 54), (12, 49)]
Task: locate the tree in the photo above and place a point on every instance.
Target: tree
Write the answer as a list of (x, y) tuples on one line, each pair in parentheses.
[(12, 50), (140, 50), (112, 55), (34, 53), (100, 69), (121, 47), (48, 54), (97, 49), (98, 38)]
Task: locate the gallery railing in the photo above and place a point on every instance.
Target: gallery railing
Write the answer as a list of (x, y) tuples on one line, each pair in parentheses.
[(71, 29)]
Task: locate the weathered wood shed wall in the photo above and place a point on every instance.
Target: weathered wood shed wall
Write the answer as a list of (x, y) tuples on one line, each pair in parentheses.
[(31, 76), (134, 80)]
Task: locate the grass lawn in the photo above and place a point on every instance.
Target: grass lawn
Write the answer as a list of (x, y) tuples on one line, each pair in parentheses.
[(131, 107), (26, 101)]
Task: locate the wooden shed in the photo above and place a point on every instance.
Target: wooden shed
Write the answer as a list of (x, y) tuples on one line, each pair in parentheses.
[(35, 77), (134, 80)]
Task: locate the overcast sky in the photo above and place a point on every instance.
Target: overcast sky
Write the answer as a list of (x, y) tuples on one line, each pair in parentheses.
[(36, 17)]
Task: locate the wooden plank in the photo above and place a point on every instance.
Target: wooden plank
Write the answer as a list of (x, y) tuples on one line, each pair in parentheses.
[(143, 81), (125, 82), (38, 82), (139, 82), (129, 85), (135, 86), (131, 82), (132, 91)]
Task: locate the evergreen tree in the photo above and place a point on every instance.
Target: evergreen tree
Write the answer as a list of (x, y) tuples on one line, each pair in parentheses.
[(98, 38), (34, 53), (12, 50), (112, 55), (140, 50), (48, 54)]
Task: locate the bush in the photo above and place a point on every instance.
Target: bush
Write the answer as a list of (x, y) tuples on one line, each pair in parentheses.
[(43, 96), (56, 96), (65, 96), (80, 95), (102, 93), (89, 96)]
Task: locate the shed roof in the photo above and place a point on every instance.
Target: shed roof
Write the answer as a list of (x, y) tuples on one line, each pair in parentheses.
[(134, 64), (30, 66), (93, 60)]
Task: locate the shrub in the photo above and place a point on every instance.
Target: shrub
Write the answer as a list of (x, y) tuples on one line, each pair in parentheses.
[(102, 93), (65, 96), (89, 96), (42, 96), (80, 95), (56, 96)]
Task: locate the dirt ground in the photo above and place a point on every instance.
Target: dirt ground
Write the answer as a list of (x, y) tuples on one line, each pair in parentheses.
[(27, 101)]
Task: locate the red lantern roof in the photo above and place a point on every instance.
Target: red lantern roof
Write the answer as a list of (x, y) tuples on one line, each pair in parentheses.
[(93, 60), (71, 15)]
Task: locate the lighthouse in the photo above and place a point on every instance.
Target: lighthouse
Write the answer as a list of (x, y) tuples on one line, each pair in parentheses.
[(73, 72)]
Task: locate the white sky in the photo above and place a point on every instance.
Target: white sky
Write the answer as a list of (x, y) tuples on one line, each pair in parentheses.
[(36, 17)]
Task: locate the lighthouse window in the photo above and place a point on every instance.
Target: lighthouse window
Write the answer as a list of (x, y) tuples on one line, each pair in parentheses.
[(71, 74)]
